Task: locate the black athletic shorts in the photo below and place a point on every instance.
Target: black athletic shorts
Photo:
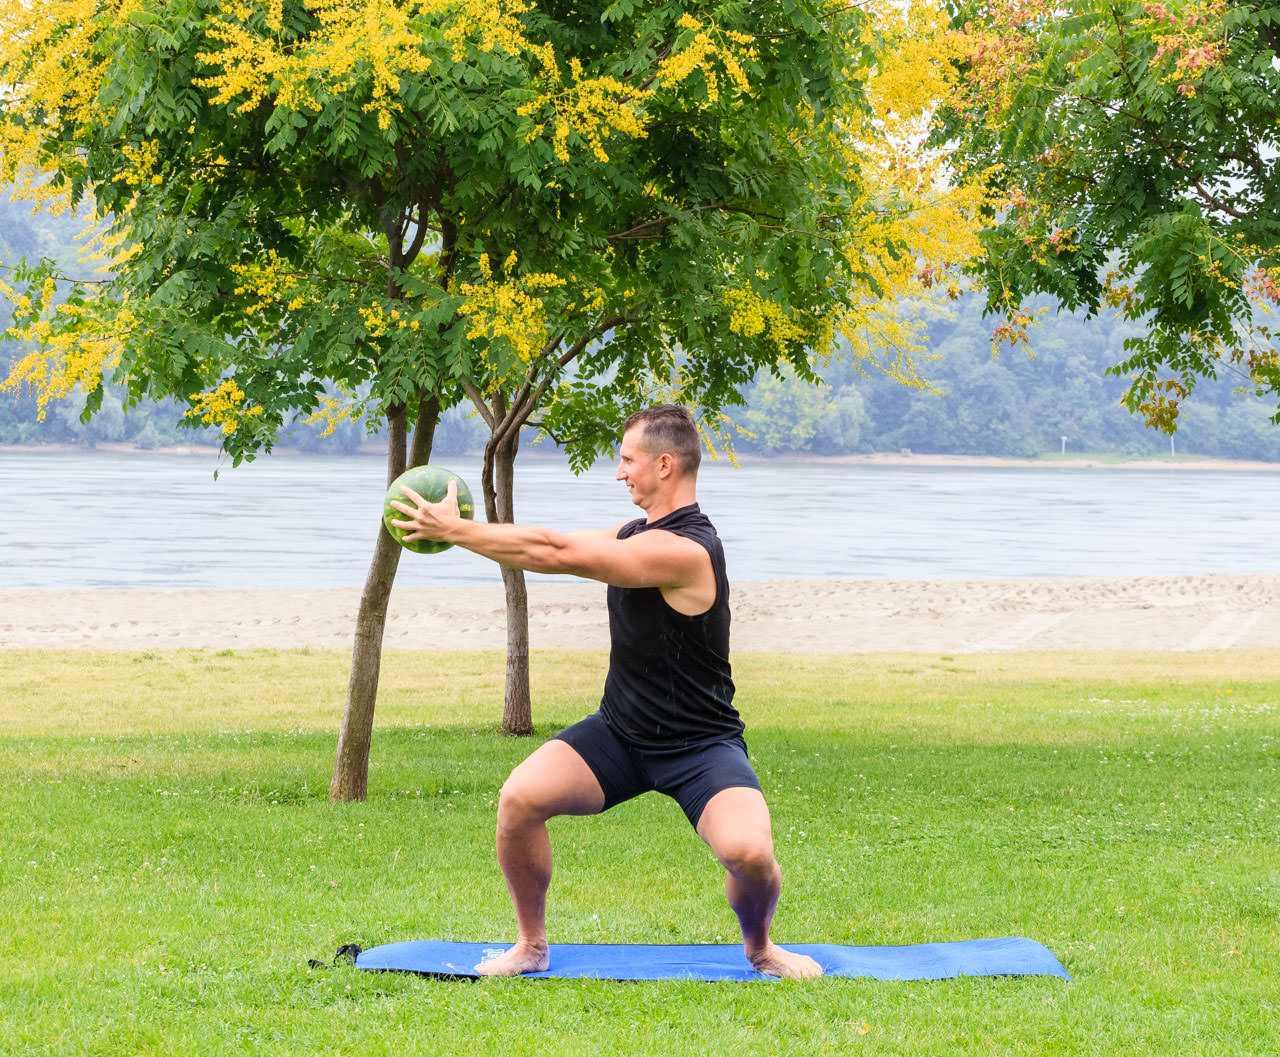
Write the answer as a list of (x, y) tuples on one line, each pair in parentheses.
[(690, 776)]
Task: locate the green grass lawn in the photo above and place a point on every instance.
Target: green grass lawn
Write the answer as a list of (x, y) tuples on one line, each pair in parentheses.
[(170, 863)]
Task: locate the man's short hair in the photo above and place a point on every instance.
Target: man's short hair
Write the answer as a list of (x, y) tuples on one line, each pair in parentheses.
[(669, 428)]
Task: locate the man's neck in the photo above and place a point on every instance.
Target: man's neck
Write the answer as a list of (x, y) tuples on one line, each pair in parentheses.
[(669, 505)]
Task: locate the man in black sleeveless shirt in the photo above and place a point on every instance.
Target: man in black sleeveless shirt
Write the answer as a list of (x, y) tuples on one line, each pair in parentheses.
[(666, 720)]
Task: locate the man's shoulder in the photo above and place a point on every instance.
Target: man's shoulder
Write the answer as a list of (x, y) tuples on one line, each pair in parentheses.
[(692, 523), (630, 528)]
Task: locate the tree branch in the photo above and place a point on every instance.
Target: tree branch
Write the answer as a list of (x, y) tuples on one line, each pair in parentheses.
[(722, 207), (481, 405), (573, 352), (1214, 202), (420, 232)]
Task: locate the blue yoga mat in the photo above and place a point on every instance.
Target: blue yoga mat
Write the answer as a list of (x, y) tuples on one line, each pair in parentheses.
[(1009, 956)]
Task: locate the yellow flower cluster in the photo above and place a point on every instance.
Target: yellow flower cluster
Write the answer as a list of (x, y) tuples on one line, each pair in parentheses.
[(75, 346), (358, 35), (377, 41), (491, 27), (143, 160), (912, 225), (728, 47), (378, 321), (752, 315), (909, 78), (592, 107), (270, 281), (510, 311), (331, 413), (248, 62), (592, 303), (881, 321), (47, 65), (223, 406)]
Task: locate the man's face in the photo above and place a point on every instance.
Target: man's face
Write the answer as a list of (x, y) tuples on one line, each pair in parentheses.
[(637, 469)]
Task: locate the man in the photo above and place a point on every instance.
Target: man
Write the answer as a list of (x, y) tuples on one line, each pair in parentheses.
[(666, 720)]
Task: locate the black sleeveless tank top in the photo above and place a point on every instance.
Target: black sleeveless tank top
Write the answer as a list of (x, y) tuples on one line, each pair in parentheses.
[(669, 684)]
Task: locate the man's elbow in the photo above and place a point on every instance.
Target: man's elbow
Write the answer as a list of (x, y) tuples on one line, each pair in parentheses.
[(555, 557), (567, 558)]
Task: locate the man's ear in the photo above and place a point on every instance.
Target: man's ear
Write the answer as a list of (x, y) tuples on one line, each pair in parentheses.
[(666, 464)]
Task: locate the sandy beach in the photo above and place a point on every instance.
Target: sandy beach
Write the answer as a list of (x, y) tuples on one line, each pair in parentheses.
[(822, 616)]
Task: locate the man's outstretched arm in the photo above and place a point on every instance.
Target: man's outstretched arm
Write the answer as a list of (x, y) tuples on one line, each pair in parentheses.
[(648, 559)]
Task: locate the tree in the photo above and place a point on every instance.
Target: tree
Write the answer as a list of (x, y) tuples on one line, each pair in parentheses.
[(1132, 146), (557, 210)]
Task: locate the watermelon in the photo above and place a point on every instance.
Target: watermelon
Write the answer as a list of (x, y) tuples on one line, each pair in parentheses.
[(430, 482)]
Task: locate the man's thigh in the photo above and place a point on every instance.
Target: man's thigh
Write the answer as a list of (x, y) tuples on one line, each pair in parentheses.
[(555, 780), (608, 758), (736, 826)]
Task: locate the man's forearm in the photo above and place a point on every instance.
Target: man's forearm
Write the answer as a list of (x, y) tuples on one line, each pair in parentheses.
[(529, 547)]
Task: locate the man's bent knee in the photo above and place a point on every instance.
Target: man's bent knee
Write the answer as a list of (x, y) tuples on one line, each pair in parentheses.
[(519, 802), (748, 858)]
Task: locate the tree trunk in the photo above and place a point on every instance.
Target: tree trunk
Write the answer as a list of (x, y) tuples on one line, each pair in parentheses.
[(351, 767), (499, 502)]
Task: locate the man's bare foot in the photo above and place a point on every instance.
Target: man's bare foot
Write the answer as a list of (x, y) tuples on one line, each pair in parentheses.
[(774, 961), (524, 957)]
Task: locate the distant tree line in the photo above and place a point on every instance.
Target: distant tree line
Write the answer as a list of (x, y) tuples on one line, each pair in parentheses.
[(1047, 398), (1050, 397)]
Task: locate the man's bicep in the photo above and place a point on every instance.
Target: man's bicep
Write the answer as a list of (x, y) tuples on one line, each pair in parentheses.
[(648, 559)]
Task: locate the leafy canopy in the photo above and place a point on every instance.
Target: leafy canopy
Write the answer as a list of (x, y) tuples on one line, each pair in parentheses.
[(1135, 147), (577, 204)]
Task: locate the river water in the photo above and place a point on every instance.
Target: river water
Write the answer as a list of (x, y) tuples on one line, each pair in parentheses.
[(152, 520)]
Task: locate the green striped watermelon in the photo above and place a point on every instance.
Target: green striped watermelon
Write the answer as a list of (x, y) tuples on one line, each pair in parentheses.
[(430, 482)]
